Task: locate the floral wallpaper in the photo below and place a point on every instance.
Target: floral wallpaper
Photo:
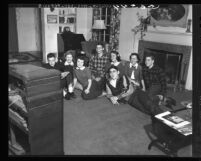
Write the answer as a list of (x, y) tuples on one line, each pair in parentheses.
[(114, 28)]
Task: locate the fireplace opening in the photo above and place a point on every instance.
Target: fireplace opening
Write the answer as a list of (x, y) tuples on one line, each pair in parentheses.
[(170, 62)]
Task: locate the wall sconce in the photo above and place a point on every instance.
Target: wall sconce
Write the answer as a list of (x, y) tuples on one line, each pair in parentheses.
[(51, 8), (97, 26)]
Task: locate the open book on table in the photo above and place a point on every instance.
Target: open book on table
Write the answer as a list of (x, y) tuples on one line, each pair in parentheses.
[(176, 122)]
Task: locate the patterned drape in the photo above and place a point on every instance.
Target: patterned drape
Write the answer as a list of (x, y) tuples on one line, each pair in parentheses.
[(114, 28)]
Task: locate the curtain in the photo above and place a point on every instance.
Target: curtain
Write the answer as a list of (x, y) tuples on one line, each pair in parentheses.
[(114, 28)]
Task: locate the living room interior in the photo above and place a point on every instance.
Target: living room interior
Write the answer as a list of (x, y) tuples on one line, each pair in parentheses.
[(95, 127)]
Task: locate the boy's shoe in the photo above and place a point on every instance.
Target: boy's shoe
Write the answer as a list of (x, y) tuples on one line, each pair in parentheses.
[(103, 94), (64, 92), (169, 105), (67, 96), (169, 102), (172, 101), (72, 95), (123, 101)]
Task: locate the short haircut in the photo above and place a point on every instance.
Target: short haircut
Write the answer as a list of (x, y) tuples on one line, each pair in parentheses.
[(51, 55), (113, 67), (81, 58), (117, 55), (151, 56), (137, 55), (69, 52), (99, 43)]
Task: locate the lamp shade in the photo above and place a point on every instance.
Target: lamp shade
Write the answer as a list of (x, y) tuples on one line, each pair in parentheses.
[(99, 24)]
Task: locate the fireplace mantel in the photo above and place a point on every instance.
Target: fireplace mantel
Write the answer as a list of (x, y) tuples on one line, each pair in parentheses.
[(175, 48), (172, 33)]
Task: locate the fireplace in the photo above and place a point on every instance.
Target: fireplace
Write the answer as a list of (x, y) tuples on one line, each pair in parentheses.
[(172, 58)]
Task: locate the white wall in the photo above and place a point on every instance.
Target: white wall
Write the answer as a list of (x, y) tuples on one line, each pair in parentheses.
[(49, 33), (28, 29), (172, 35), (29, 36), (84, 22), (128, 20)]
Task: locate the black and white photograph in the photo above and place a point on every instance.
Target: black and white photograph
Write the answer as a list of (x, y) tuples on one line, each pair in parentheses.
[(170, 15), (89, 79), (173, 118), (51, 18)]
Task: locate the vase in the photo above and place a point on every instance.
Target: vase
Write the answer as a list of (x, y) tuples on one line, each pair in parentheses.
[(189, 26)]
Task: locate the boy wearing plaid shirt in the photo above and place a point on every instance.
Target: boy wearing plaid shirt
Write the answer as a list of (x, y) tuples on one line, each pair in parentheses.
[(97, 66), (154, 78)]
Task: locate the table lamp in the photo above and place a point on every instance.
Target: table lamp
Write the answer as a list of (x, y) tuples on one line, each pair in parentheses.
[(97, 26)]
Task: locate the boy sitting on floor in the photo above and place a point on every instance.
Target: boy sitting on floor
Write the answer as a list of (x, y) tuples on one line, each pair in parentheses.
[(118, 87), (65, 75)]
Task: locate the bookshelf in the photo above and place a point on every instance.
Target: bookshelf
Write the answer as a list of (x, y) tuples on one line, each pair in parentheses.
[(67, 17)]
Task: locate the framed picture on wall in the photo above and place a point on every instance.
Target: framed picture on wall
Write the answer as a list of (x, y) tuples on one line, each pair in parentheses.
[(71, 20), (170, 15), (52, 19)]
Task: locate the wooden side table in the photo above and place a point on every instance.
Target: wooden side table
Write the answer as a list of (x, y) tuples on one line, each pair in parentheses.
[(168, 139)]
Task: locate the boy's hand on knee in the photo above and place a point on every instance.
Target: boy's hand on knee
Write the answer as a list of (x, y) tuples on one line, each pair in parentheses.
[(86, 91), (64, 74), (114, 100), (97, 79), (143, 89)]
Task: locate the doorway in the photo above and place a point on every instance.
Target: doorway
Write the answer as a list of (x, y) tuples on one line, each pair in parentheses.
[(12, 34)]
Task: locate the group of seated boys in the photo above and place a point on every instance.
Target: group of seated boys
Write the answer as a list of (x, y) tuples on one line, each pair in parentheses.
[(104, 74)]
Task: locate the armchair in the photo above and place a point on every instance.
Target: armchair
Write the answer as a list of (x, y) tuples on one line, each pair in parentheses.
[(89, 47)]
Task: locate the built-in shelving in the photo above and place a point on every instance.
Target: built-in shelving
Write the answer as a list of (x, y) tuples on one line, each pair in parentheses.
[(67, 18)]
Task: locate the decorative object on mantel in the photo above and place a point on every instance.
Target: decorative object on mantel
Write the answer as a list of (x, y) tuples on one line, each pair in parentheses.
[(142, 27), (188, 29)]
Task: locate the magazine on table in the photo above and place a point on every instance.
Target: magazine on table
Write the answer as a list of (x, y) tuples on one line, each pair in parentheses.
[(186, 129), (172, 119)]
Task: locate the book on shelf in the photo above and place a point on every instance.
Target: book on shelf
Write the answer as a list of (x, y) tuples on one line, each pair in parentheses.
[(172, 119), (16, 98), (16, 148), (18, 119), (18, 102)]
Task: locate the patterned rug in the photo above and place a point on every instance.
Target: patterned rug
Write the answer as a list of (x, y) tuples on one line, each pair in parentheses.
[(15, 57)]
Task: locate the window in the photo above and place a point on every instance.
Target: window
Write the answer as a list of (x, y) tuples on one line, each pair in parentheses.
[(103, 14)]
